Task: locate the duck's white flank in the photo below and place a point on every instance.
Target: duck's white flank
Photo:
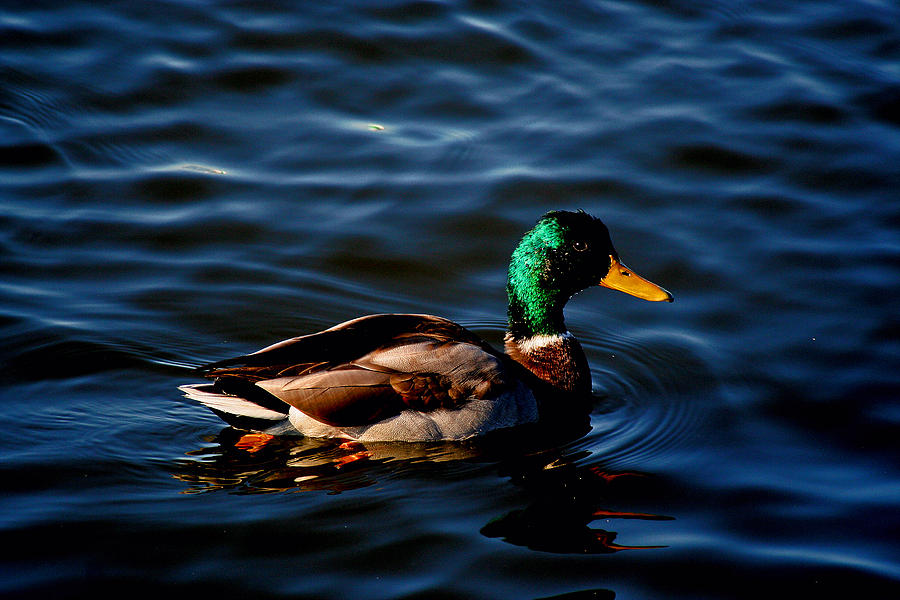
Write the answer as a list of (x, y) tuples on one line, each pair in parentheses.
[(476, 417)]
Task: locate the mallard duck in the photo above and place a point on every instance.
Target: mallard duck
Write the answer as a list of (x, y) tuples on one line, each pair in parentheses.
[(411, 377)]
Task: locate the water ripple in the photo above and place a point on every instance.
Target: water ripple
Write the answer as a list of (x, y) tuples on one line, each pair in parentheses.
[(657, 391)]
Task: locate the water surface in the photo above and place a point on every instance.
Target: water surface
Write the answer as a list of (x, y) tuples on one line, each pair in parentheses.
[(183, 181)]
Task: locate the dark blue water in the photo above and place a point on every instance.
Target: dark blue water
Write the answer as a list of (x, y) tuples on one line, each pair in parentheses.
[(183, 181)]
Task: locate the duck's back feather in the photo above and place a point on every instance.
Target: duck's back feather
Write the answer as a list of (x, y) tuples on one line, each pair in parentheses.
[(352, 339), (368, 369)]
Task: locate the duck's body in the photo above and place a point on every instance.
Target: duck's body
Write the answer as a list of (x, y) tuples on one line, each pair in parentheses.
[(379, 377), (403, 377)]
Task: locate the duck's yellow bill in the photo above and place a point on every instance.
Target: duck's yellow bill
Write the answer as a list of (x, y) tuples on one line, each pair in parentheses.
[(623, 279)]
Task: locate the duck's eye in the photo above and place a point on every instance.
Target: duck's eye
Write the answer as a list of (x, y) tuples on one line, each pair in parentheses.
[(579, 245)]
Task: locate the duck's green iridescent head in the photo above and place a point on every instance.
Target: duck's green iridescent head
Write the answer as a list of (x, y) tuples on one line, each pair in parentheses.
[(564, 253)]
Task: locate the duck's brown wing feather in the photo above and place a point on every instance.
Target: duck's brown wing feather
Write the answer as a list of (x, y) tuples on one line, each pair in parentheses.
[(342, 397), (370, 368)]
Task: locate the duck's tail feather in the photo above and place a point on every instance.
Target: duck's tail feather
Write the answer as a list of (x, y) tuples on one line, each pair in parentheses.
[(234, 410)]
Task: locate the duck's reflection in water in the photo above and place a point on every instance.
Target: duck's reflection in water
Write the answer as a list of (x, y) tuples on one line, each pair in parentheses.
[(565, 500), (252, 463), (564, 494)]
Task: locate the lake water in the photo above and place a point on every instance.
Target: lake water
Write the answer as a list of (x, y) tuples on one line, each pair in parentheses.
[(183, 181)]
